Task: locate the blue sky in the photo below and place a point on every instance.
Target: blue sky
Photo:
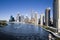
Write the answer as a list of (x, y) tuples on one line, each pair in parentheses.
[(12, 7)]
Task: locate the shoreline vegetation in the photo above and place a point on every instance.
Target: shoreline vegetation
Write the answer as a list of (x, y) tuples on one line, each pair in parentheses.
[(3, 23)]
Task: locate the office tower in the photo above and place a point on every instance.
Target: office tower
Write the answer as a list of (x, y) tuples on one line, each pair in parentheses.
[(47, 17), (32, 21), (41, 19), (36, 18), (26, 19), (11, 19), (22, 18), (32, 14), (56, 14), (51, 21), (18, 18)]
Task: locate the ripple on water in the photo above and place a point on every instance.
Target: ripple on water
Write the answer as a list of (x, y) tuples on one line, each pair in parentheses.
[(24, 32)]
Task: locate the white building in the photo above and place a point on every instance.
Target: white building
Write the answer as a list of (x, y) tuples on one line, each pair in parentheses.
[(56, 14), (32, 14), (36, 18), (41, 19), (22, 18), (17, 18)]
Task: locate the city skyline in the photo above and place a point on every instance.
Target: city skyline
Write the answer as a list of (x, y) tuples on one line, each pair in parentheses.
[(30, 19), (12, 7)]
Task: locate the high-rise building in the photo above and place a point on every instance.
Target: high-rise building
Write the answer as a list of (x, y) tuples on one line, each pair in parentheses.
[(36, 18), (32, 14), (47, 17), (56, 14), (18, 18), (26, 19), (11, 19), (41, 19), (22, 18), (51, 21)]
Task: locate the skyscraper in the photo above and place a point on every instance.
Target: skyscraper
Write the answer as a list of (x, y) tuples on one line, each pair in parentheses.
[(41, 19), (22, 18), (32, 14), (26, 19), (18, 18), (47, 16), (11, 19), (56, 14), (36, 18)]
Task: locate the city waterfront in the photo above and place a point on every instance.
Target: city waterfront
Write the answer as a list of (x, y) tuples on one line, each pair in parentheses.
[(30, 20), (15, 31)]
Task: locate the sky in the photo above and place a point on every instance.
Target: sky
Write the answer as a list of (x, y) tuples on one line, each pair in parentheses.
[(24, 7)]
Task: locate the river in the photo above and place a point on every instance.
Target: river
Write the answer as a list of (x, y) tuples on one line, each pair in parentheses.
[(15, 31)]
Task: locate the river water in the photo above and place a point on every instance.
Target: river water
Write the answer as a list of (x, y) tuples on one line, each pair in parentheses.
[(20, 31)]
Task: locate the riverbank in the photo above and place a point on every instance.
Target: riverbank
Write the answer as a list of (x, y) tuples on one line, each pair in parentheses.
[(52, 31), (3, 23)]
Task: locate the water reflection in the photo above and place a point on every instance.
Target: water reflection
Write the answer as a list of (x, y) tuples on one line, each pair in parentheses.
[(24, 32)]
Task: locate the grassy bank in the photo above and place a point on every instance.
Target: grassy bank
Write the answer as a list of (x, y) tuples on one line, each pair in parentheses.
[(48, 28), (3, 23), (53, 30)]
